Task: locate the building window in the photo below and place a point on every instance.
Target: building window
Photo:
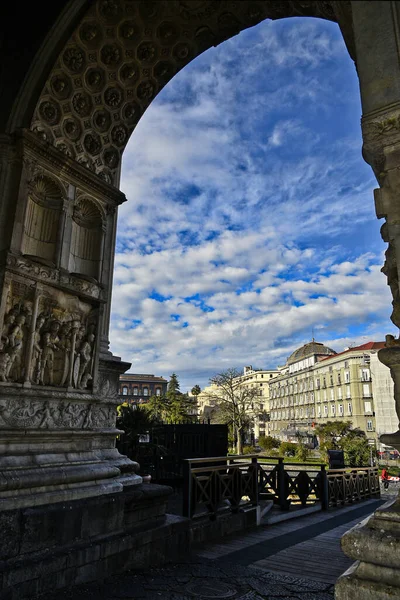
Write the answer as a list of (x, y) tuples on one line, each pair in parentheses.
[(325, 410), (135, 391), (158, 392), (366, 390), (339, 379), (124, 391), (367, 407), (369, 426), (348, 394), (365, 375), (333, 410), (340, 410), (347, 376), (318, 411), (339, 393), (318, 384), (332, 394), (349, 408)]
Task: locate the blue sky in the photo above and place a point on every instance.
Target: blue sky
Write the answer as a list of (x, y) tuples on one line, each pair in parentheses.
[(250, 219)]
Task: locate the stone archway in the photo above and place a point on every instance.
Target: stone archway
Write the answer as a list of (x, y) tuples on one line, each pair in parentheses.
[(68, 126)]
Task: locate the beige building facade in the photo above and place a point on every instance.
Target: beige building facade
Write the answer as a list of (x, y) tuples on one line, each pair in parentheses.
[(317, 385), (259, 412)]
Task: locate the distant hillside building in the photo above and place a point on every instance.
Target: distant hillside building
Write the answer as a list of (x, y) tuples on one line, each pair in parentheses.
[(137, 388), (317, 385)]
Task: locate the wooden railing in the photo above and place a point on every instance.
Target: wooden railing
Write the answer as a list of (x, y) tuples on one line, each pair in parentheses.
[(348, 486), (289, 484), (218, 484), (215, 483)]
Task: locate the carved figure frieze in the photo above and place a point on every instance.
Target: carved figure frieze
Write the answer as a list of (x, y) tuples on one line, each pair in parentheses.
[(47, 339), (46, 414)]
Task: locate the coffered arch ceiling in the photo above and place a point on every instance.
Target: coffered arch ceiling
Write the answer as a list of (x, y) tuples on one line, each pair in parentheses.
[(121, 55)]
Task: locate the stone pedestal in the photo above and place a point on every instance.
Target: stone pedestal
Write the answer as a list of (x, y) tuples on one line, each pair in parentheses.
[(375, 545), (68, 543)]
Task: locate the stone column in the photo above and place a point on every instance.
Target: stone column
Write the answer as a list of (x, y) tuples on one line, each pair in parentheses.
[(375, 543), (58, 396)]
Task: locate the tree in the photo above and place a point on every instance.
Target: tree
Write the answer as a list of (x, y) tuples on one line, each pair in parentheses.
[(234, 402), (133, 421), (341, 436), (330, 434), (356, 448), (177, 403), (157, 407), (195, 391)]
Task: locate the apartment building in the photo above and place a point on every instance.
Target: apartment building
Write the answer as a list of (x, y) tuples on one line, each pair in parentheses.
[(137, 388), (317, 384)]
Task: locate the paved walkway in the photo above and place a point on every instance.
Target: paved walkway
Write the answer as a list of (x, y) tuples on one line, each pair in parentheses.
[(293, 560)]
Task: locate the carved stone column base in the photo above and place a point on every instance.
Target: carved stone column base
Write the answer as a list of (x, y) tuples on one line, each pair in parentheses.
[(57, 466), (375, 545)]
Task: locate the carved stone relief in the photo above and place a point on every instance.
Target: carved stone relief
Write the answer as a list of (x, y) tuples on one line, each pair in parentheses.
[(47, 338), (46, 414), (123, 53)]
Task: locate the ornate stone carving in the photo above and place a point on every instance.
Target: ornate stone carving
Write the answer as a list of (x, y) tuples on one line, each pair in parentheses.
[(102, 120), (128, 31), (111, 158), (82, 104), (146, 52), (146, 90), (129, 73), (92, 143), (74, 59), (119, 135), (110, 54), (110, 9), (113, 97), (42, 336), (50, 112), (95, 79), (45, 414), (131, 113), (61, 86), (90, 33)]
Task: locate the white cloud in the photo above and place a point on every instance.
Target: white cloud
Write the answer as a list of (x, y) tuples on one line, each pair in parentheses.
[(244, 211)]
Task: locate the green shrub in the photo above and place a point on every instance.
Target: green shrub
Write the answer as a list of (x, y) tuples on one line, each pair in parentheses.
[(268, 443), (287, 449), (249, 450), (302, 452)]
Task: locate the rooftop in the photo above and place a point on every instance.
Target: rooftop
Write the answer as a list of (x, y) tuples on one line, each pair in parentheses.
[(363, 347), (141, 377), (310, 349)]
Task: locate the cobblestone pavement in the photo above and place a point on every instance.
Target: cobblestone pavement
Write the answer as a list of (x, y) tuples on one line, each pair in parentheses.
[(293, 560), (188, 581)]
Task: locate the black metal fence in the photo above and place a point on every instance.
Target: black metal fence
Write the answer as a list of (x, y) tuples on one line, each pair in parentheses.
[(162, 455), (233, 483)]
